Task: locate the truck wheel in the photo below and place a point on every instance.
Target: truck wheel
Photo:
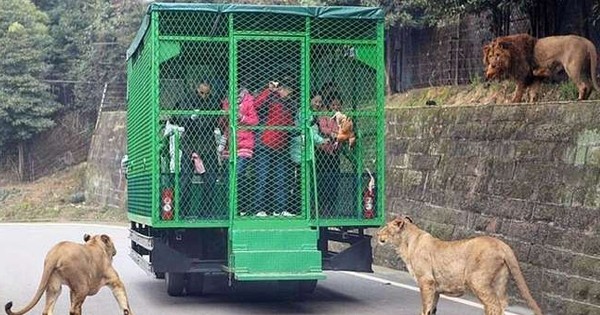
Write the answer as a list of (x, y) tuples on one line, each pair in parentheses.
[(159, 275), (175, 283), (195, 284)]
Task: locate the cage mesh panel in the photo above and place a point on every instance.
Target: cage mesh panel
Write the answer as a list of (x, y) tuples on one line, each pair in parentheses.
[(271, 183), (139, 130), (193, 87), (193, 47), (201, 24), (269, 23), (347, 84), (343, 29)]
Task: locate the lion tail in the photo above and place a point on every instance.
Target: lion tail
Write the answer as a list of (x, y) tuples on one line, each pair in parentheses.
[(515, 270), (40, 291), (593, 64)]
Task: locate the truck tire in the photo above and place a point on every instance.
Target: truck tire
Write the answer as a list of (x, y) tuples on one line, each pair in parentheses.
[(159, 275), (175, 283), (195, 284)]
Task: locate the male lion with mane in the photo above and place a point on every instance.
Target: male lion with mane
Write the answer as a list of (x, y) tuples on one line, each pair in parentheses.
[(480, 264), (528, 60), (512, 57), (85, 268)]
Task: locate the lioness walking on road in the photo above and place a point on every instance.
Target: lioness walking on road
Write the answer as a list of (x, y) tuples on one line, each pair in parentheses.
[(85, 268), (481, 264)]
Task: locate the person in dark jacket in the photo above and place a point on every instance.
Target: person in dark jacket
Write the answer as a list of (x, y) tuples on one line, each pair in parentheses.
[(199, 163)]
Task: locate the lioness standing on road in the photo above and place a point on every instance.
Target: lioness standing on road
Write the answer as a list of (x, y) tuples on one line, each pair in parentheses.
[(85, 268), (481, 264)]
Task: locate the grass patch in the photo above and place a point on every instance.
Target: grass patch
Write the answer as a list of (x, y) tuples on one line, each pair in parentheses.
[(480, 92), (48, 199)]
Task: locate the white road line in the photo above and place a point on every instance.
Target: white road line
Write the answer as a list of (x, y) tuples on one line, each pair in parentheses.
[(416, 289)]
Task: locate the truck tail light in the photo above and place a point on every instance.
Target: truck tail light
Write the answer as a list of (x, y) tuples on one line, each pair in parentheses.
[(166, 212)]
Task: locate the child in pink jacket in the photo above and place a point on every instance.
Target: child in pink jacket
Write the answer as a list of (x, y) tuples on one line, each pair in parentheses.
[(245, 138)]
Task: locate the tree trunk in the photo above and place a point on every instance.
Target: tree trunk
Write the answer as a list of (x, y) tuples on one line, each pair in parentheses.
[(21, 149)]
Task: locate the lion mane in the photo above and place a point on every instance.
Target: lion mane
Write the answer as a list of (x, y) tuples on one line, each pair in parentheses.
[(512, 57)]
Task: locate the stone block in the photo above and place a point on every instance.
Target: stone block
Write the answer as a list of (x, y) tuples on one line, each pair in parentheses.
[(555, 305), (553, 131), (437, 181), (575, 308), (512, 189), (593, 156), (566, 239), (419, 146), (508, 113), (533, 151), (579, 218), (469, 114), (580, 175), (551, 258), (521, 249), (395, 146), (520, 230), (504, 130), (456, 164), (536, 172), (592, 245), (464, 149), (399, 161), (584, 290), (554, 193), (412, 178), (458, 200), (443, 215), (439, 230), (463, 184), (503, 208), (555, 283), (504, 150), (487, 224), (586, 266), (592, 197), (548, 213), (423, 162), (502, 170)]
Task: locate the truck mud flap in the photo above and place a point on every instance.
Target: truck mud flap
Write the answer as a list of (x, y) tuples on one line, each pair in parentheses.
[(357, 257)]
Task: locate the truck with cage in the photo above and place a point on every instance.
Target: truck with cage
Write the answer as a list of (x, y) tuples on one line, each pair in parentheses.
[(255, 138)]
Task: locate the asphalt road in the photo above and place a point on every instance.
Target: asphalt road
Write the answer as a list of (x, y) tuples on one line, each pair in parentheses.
[(24, 246)]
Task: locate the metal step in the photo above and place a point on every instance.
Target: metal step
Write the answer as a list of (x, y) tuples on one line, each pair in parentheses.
[(275, 254)]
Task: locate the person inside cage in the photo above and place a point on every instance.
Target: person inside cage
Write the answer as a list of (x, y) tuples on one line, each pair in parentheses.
[(298, 142), (199, 162), (279, 101), (246, 116), (327, 156)]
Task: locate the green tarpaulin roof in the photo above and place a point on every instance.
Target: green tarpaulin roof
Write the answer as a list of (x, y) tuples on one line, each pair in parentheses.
[(364, 13)]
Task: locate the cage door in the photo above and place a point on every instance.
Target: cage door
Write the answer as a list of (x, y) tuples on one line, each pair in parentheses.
[(269, 172)]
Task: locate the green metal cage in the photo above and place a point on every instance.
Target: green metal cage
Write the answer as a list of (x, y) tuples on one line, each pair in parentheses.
[(230, 116)]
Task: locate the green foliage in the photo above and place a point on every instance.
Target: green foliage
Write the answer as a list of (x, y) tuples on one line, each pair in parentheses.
[(26, 105), (568, 91)]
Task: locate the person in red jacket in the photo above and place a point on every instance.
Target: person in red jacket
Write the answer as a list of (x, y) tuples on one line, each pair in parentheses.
[(245, 138), (272, 162), (246, 116)]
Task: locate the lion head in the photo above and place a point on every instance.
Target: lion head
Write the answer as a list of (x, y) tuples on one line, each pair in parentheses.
[(104, 241), (392, 229), (510, 56), (497, 58)]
